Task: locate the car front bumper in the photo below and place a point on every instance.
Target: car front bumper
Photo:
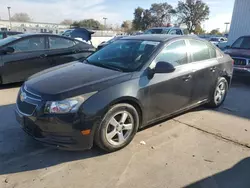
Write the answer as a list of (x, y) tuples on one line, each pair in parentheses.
[(63, 131), (241, 72)]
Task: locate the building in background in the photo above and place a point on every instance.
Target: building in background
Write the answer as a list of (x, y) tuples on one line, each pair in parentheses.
[(240, 24), (32, 27)]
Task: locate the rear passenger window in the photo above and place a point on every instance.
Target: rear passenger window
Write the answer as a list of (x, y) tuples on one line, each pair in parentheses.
[(175, 53), (60, 43), (199, 50)]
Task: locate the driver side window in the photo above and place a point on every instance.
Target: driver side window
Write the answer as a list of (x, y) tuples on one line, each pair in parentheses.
[(175, 53), (29, 44)]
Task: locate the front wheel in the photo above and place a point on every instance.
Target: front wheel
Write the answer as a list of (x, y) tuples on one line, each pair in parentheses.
[(118, 127), (219, 94)]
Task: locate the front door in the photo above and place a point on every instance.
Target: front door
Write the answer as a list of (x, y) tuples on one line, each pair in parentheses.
[(170, 92), (28, 58)]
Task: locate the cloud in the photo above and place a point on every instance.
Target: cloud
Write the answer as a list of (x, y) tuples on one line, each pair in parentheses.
[(58, 10)]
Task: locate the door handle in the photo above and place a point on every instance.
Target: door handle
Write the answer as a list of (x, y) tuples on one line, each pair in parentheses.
[(43, 55), (187, 78), (212, 69)]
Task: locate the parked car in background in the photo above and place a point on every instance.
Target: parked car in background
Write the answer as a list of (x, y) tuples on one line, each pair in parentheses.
[(165, 30), (218, 40), (109, 41), (81, 34), (240, 52), (26, 54), (5, 34), (129, 84)]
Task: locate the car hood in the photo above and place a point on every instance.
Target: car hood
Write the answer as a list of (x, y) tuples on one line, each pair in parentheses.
[(73, 79), (238, 52)]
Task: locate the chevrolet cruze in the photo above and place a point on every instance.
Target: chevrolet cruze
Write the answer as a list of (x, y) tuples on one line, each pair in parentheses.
[(121, 88)]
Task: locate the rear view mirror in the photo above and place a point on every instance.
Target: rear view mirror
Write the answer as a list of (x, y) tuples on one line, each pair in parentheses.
[(9, 50), (163, 67)]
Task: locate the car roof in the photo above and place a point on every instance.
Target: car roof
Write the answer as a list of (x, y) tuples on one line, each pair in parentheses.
[(158, 37)]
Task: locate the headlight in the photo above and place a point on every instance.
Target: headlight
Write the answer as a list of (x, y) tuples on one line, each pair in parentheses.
[(70, 105)]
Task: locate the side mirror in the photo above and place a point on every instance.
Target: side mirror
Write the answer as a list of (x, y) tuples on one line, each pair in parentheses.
[(163, 67), (9, 50)]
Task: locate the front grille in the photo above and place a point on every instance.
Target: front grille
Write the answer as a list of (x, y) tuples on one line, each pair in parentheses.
[(238, 61), (25, 107)]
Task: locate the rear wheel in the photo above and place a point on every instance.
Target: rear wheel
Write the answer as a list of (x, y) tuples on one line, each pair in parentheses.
[(117, 128), (219, 94)]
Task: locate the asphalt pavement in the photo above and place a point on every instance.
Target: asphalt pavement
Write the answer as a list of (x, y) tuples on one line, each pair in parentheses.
[(203, 148)]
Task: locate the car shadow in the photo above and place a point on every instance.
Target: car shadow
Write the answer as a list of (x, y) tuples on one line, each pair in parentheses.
[(236, 177), (12, 85), (19, 152)]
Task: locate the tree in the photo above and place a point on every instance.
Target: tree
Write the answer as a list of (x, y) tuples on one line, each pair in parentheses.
[(67, 22), (215, 32), (192, 13), (21, 17), (88, 23), (198, 30), (161, 14), (126, 25), (138, 16)]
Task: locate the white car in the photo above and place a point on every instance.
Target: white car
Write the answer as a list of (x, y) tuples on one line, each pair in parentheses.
[(218, 40)]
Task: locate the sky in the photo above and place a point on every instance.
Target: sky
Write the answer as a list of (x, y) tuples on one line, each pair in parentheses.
[(116, 11)]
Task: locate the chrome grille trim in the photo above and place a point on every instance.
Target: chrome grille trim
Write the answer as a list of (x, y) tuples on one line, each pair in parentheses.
[(26, 89), (242, 58), (32, 98)]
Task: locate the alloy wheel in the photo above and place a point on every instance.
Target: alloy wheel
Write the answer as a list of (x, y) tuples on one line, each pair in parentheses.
[(119, 128), (220, 92)]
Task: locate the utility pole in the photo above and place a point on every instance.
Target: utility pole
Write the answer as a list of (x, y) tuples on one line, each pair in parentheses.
[(9, 16), (226, 23), (105, 20)]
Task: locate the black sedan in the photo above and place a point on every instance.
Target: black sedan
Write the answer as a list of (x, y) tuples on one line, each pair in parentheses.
[(23, 55), (127, 85)]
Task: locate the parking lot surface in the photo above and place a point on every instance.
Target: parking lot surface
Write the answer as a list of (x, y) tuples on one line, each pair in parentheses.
[(202, 148)]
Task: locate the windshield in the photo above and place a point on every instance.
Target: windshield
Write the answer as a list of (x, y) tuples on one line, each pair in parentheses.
[(157, 31), (8, 40), (242, 43), (124, 55)]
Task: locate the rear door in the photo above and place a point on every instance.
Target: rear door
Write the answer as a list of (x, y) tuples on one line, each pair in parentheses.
[(62, 50), (205, 66), (27, 59)]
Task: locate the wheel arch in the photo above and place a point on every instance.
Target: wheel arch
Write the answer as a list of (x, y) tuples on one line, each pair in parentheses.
[(133, 102)]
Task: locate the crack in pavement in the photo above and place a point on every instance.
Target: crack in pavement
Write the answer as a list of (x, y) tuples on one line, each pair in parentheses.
[(217, 135)]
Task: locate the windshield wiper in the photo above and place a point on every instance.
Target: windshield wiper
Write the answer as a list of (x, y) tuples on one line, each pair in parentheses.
[(99, 64), (110, 67)]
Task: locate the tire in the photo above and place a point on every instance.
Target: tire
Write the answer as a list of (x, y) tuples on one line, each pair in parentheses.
[(215, 101), (108, 135)]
